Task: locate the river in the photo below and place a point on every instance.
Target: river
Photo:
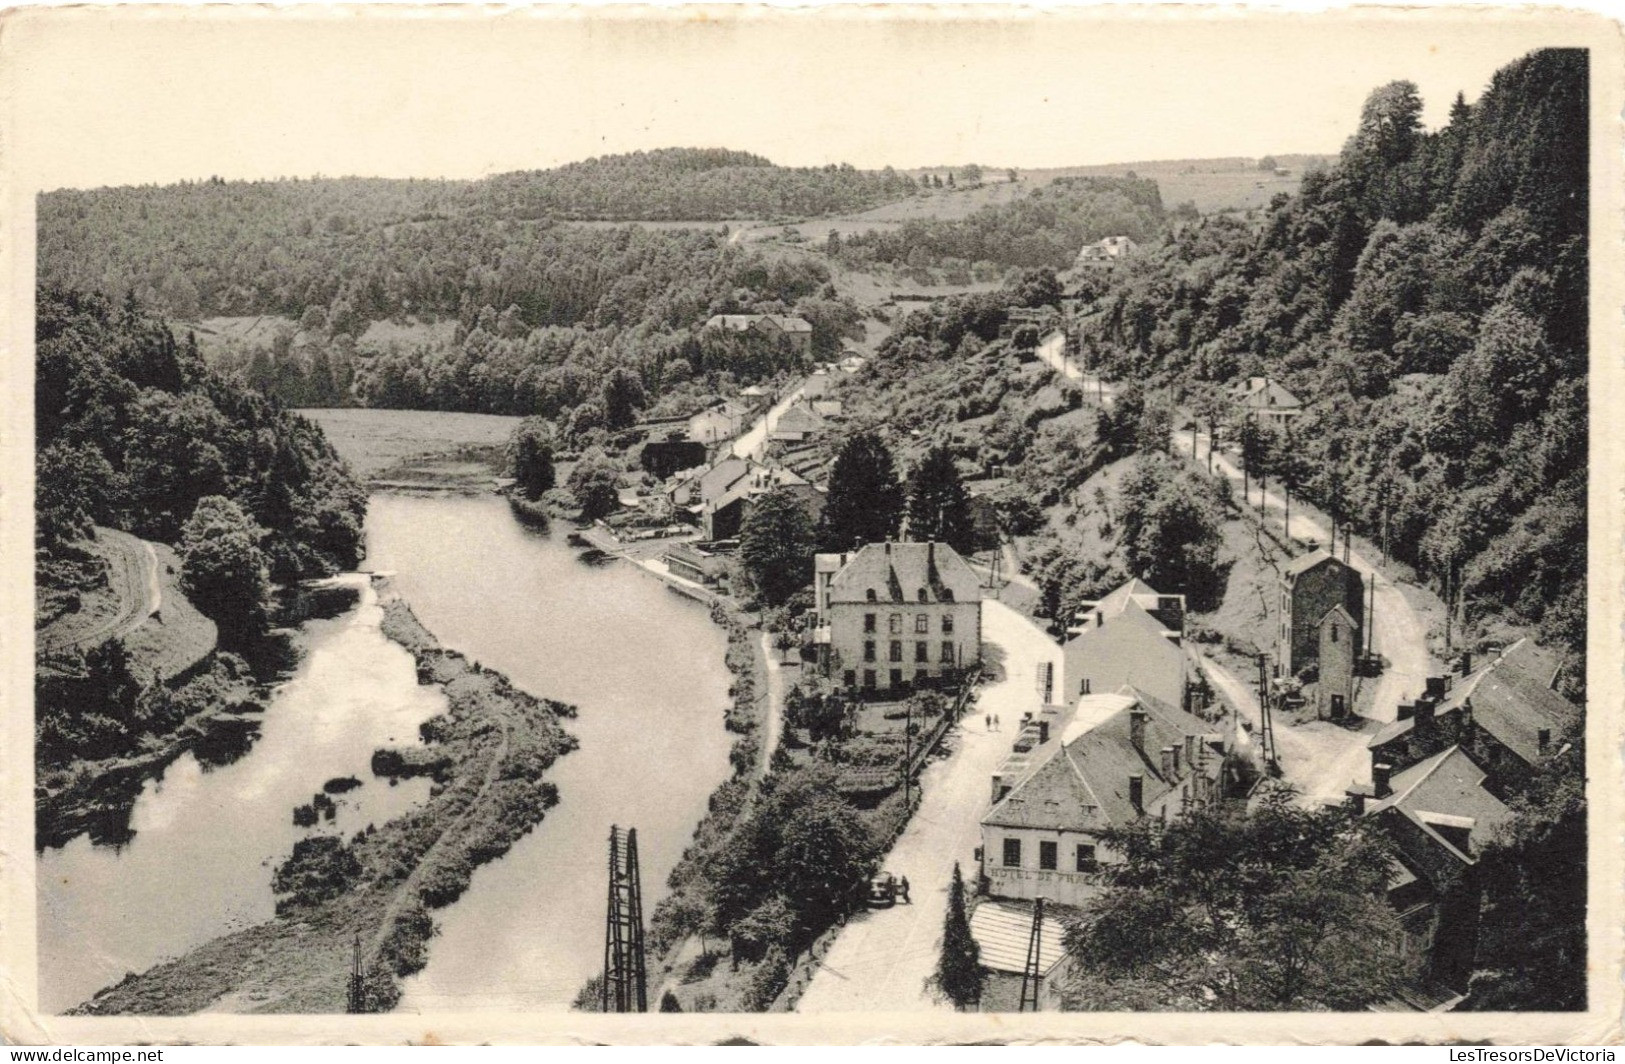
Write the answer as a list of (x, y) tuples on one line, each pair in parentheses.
[(644, 665), (206, 839)]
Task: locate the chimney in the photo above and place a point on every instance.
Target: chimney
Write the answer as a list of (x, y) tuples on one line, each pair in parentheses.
[(1169, 766), (1043, 731), (1435, 688), (1406, 711), (888, 548), (931, 554), (1356, 802), (1424, 715), (998, 787), (1190, 750), (1136, 728), (1466, 716), (1136, 791), (1176, 749), (1544, 738), (1466, 662), (1382, 776)]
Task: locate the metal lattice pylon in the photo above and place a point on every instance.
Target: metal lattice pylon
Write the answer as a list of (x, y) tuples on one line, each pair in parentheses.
[(356, 997), (1032, 972), (626, 984)]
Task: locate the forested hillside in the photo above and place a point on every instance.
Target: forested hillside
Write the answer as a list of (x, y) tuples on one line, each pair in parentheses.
[(132, 432), (1426, 298), (1043, 229), (376, 248)]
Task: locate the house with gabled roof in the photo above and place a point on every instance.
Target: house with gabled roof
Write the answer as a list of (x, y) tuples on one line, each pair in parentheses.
[(1129, 646), (1505, 713), (1003, 934), (798, 423), (798, 331), (1440, 814), (1169, 610), (1123, 756), (1264, 399), (893, 616), (1105, 254)]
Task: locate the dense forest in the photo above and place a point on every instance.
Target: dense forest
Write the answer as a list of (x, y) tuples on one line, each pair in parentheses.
[(543, 309), (134, 432), (368, 249), (1042, 229), (1426, 298)]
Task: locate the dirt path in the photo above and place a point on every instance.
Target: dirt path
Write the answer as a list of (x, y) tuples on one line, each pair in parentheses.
[(132, 580), (883, 957), (774, 715), (753, 440)]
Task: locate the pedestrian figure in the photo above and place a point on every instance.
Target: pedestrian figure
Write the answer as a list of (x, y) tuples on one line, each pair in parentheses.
[(987, 722), (996, 725), (904, 885)]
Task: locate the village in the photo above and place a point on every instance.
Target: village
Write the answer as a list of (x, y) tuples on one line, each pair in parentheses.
[(1055, 738)]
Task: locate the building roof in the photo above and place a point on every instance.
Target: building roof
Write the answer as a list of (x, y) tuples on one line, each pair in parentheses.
[(799, 418), (1081, 783), (742, 322), (1305, 562), (1002, 931), (1263, 393), (1443, 795), (758, 479), (1131, 647), (899, 572), (1511, 699)]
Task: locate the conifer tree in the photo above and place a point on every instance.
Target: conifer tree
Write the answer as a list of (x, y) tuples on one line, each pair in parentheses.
[(959, 974), (938, 505)]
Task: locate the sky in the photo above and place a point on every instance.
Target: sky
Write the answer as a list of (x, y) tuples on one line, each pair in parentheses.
[(135, 97)]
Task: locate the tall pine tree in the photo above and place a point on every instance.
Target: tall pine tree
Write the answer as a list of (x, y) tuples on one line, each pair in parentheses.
[(938, 505), (959, 974), (865, 503)]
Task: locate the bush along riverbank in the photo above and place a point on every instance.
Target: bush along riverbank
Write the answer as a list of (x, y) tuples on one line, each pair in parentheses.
[(486, 753)]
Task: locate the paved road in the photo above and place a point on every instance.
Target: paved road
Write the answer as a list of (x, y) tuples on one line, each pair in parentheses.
[(1053, 352), (753, 440), (881, 960)]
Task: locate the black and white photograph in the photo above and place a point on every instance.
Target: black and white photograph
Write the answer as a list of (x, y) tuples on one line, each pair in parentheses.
[(820, 524)]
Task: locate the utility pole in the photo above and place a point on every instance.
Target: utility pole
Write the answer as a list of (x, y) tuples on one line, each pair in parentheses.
[(1032, 973), (1266, 725), (356, 995), (626, 983), (908, 751)]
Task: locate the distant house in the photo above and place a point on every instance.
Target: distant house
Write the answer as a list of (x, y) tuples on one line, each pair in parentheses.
[(1505, 714), (1003, 933), (727, 494), (819, 382), (1310, 586), (1133, 648), (720, 421), (1123, 756), (1105, 254), (1267, 401), (896, 615), (797, 424), (852, 365), (797, 331), (1439, 815)]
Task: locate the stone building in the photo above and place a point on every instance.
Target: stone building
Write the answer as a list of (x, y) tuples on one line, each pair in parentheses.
[(896, 615), (1310, 586), (1334, 690)]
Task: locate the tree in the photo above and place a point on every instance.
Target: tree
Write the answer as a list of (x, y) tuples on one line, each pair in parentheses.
[(1169, 530), (1532, 941), (224, 572), (622, 398), (532, 457), (595, 483), (938, 505), (1039, 288), (669, 1003), (776, 546), (1268, 163), (959, 975), (865, 500), (1282, 908)]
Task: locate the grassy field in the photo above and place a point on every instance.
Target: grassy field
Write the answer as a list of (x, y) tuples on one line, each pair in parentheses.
[(1211, 184), (381, 334), (409, 445)]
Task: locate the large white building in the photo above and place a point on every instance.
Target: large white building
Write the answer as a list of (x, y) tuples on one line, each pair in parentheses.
[(896, 615)]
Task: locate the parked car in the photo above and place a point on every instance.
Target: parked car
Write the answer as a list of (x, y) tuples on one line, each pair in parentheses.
[(883, 891)]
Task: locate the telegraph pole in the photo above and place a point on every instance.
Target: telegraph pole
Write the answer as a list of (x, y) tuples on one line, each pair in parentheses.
[(1032, 973), (356, 995)]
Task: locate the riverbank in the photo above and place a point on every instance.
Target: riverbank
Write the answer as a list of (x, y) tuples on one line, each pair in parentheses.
[(489, 749)]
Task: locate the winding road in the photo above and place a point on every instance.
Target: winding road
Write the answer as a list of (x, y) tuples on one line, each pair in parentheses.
[(132, 580)]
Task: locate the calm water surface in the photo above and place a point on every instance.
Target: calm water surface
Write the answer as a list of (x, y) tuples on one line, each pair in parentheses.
[(645, 667), (206, 840)]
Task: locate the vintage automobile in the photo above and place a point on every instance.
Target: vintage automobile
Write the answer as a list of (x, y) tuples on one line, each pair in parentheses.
[(883, 891)]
